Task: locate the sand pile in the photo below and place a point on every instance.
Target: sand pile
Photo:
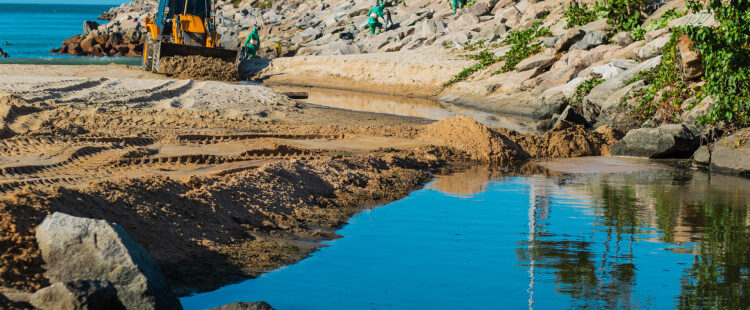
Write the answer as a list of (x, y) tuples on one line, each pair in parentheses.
[(199, 68), (289, 201), (474, 139), (568, 140)]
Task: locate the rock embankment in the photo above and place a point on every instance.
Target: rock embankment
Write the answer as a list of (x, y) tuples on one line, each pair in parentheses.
[(123, 35)]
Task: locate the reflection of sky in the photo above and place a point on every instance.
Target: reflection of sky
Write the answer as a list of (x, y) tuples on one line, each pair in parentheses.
[(432, 250)]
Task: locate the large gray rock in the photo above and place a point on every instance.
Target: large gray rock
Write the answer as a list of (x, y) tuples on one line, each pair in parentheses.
[(622, 39), (598, 25), (478, 9), (701, 19), (77, 295), (89, 26), (701, 109), (653, 48), (306, 35), (541, 61), (76, 248), (591, 40), (570, 115), (245, 306), (570, 37), (666, 141), (599, 94), (732, 153), (464, 21), (492, 32)]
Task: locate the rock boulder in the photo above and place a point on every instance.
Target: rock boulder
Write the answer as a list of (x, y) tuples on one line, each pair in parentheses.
[(77, 295), (666, 141), (732, 153), (76, 248)]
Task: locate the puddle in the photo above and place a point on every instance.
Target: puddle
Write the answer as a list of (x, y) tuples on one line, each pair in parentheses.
[(633, 238), (405, 106)]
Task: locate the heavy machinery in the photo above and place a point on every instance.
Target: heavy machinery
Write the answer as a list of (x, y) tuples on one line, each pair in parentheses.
[(182, 28)]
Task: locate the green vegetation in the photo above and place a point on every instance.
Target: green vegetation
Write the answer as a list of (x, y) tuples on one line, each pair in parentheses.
[(263, 4), (624, 15), (521, 45), (725, 52), (664, 20), (666, 89), (485, 58), (473, 46), (579, 15), (583, 90), (521, 49), (236, 3)]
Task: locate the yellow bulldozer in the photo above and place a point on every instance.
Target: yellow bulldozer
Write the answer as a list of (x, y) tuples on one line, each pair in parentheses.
[(182, 28)]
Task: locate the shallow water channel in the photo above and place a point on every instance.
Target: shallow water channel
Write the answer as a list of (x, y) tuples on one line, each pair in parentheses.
[(606, 233), (405, 106)]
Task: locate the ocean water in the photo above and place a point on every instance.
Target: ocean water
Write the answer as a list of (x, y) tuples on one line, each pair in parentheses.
[(653, 239), (32, 30)]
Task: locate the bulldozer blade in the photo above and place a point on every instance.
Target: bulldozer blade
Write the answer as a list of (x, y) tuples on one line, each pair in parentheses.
[(165, 49)]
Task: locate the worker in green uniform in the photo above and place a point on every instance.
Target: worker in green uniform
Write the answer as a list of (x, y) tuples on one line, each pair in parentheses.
[(457, 4), (374, 23), (252, 43)]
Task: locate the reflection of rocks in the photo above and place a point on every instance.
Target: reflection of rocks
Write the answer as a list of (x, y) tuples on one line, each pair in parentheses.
[(245, 306), (464, 183)]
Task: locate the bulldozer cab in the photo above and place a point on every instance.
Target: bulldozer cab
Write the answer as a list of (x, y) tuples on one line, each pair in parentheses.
[(182, 28), (187, 22)]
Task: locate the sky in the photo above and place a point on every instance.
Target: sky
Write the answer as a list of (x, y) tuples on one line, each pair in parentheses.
[(98, 2)]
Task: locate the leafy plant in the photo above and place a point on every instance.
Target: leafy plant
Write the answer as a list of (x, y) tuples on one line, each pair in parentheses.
[(638, 33), (522, 48), (578, 15), (666, 89), (725, 53), (485, 57), (625, 15), (582, 90), (664, 20)]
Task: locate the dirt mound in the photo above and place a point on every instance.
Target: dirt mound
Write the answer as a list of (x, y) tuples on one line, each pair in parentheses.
[(297, 200), (199, 68), (476, 140), (568, 140)]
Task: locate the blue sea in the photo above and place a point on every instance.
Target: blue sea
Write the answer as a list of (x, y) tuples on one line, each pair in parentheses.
[(32, 30)]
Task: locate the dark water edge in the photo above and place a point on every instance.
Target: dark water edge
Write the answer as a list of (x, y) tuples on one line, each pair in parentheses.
[(609, 233), (75, 61)]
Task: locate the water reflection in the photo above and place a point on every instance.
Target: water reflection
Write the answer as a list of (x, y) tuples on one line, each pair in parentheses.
[(651, 237), (694, 212), (405, 106)]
